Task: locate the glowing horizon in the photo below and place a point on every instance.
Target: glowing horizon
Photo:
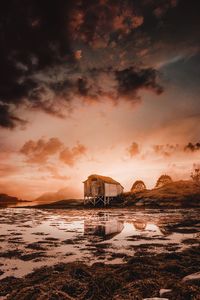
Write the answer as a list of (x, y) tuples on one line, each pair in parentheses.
[(114, 93)]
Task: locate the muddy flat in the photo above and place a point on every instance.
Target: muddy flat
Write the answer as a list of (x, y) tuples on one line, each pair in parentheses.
[(98, 240)]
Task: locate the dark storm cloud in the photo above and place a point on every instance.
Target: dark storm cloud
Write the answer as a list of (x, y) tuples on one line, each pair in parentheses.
[(131, 80), (53, 51), (94, 84), (190, 147), (96, 22), (166, 150), (7, 119), (163, 150), (32, 37), (170, 149)]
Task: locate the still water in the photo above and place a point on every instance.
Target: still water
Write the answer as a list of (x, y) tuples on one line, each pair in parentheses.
[(32, 238)]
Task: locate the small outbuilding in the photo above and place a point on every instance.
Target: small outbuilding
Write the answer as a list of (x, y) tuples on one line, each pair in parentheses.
[(99, 188), (163, 180), (138, 186)]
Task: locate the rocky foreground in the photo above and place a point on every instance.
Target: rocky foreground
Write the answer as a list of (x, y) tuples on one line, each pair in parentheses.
[(165, 270), (166, 275)]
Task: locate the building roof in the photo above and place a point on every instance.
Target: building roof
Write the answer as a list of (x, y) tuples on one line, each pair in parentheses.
[(105, 179)]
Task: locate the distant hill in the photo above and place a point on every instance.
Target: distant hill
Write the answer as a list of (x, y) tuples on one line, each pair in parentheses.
[(63, 204), (174, 194), (64, 193), (6, 199)]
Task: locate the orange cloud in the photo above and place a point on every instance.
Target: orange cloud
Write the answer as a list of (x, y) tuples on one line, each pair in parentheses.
[(133, 149), (69, 156), (41, 150), (126, 22), (78, 54)]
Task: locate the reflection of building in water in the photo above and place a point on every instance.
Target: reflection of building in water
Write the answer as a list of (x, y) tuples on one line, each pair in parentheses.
[(107, 228), (139, 225), (149, 225)]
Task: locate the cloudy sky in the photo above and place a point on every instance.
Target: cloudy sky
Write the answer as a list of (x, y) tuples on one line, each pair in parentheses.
[(97, 86)]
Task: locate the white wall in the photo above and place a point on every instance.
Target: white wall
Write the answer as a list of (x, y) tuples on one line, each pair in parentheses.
[(112, 190)]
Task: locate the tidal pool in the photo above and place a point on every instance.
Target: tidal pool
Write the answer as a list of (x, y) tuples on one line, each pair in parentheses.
[(32, 238)]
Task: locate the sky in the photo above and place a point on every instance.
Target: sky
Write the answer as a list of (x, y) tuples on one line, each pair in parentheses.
[(106, 87)]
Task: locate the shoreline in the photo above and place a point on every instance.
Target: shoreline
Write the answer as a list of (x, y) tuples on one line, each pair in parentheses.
[(91, 207), (180, 194)]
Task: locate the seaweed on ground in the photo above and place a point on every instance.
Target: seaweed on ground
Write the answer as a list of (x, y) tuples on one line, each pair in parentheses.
[(142, 276)]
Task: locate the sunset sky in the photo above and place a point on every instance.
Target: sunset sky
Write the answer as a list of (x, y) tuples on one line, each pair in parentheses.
[(97, 87)]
